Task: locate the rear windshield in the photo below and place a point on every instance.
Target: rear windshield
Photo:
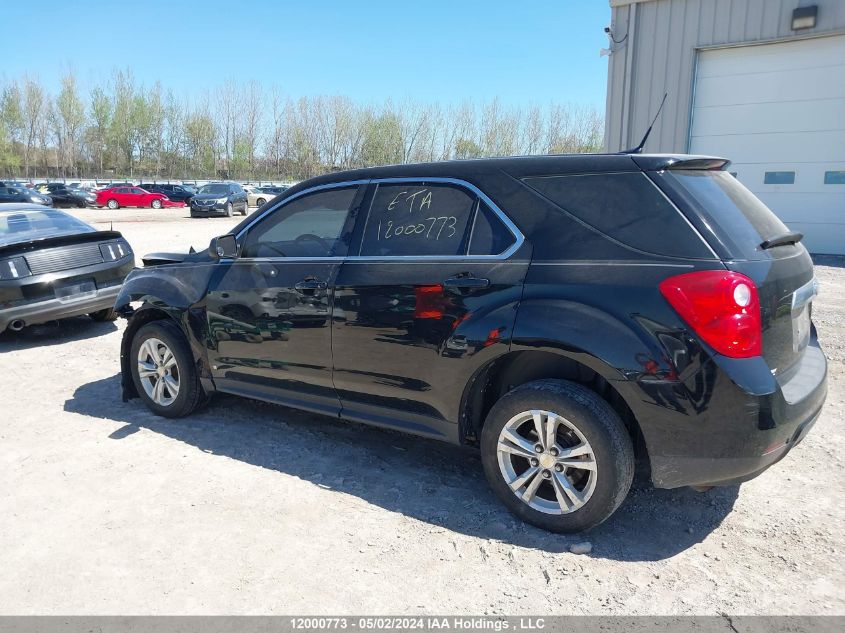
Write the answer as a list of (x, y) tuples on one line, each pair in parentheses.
[(25, 225), (738, 218)]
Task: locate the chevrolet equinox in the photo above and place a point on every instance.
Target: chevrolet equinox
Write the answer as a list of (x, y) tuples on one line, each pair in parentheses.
[(565, 315)]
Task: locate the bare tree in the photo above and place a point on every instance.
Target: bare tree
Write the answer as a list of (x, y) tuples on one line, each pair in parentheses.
[(33, 118)]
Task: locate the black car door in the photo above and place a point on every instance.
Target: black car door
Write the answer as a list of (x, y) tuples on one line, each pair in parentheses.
[(428, 297), (12, 194), (61, 197), (239, 198), (269, 309)]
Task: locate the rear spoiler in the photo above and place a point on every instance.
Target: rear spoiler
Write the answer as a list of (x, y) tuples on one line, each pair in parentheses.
[(659, 163)]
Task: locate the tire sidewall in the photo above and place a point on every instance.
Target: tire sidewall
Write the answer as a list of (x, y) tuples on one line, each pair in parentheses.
[(229, 209), (156, 204), (169, 334), (112, 204), (611, 447)]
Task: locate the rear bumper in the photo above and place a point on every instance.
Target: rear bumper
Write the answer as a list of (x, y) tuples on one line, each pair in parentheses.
[(54, 309), (708, 430)]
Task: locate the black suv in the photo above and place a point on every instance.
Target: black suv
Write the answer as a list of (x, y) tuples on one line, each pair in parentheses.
[(219, 198), (177, 193), (564, 314)]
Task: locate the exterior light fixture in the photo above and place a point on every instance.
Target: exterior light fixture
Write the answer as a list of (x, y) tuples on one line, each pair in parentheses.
[(804, 17)]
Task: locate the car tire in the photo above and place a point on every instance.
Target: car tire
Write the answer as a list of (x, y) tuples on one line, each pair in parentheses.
[(156, 204), (260, 202), (246, 209), (106, 314), (164, 336), (228, 209), (568, 498), (113, 204)]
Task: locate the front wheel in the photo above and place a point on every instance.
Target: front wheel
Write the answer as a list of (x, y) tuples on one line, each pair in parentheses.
[(228, 209), (557, 455), (260, 202), (112, 204), (163, 370), (156, 204)]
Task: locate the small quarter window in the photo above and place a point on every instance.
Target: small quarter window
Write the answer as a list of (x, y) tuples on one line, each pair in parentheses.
[(417, 219), (779, 178), (489, 236), (834, 177)]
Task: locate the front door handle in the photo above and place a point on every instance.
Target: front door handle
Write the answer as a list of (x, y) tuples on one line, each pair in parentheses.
[(311, 284), (466, 282)]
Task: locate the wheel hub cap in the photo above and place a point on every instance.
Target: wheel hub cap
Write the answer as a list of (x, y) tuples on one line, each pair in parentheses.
[(158, 372), (547, 462)]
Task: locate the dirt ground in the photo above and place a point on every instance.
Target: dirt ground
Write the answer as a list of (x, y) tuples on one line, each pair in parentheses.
[(250, 508)]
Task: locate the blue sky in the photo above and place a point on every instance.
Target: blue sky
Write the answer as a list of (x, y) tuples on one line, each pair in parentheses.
[(431, 50)]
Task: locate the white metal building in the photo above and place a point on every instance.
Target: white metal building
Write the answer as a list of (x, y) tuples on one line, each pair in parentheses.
[(761, 82)]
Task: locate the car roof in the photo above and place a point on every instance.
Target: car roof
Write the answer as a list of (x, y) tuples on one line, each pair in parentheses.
[(518, 166)]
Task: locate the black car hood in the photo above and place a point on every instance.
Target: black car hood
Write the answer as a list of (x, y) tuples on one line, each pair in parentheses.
[(159, 259), (26, 246)]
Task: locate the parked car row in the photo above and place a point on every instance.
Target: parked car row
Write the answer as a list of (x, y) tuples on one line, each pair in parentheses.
[(220, 198)]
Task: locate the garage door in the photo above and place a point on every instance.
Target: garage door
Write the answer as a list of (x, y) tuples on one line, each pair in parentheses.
[(778, 112)]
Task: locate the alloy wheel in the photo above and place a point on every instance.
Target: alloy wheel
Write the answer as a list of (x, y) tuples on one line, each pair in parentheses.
[(547, 462), (158, 372)]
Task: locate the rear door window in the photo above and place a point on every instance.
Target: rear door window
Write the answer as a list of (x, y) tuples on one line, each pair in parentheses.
[(418, 220), (626, 207), (740, 220)]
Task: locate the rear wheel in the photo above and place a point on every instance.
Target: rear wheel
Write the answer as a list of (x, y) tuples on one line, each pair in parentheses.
[(112, 204), (156, 204), (557, 455), (107, 314), (164, 371)]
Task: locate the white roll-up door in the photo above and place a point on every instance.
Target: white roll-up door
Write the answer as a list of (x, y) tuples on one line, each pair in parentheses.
[(778, 112)]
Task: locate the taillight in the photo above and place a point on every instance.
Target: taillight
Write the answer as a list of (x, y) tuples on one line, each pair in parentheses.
[(721, 307)]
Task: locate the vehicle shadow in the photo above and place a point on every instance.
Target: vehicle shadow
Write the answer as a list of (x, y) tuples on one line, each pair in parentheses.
[(424, 479), (54, 333)]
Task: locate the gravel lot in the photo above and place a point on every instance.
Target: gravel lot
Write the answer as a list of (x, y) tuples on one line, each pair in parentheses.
[(252, 508)]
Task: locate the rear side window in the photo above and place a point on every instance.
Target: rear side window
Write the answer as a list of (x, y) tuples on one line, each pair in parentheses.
[(417, 219), (740, 220), (627, 207)]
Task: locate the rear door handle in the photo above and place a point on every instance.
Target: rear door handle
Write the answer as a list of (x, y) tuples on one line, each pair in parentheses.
[(311, 284), (466, 282)]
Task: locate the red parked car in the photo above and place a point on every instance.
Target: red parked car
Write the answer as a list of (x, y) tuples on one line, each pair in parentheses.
[(116, 197)]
